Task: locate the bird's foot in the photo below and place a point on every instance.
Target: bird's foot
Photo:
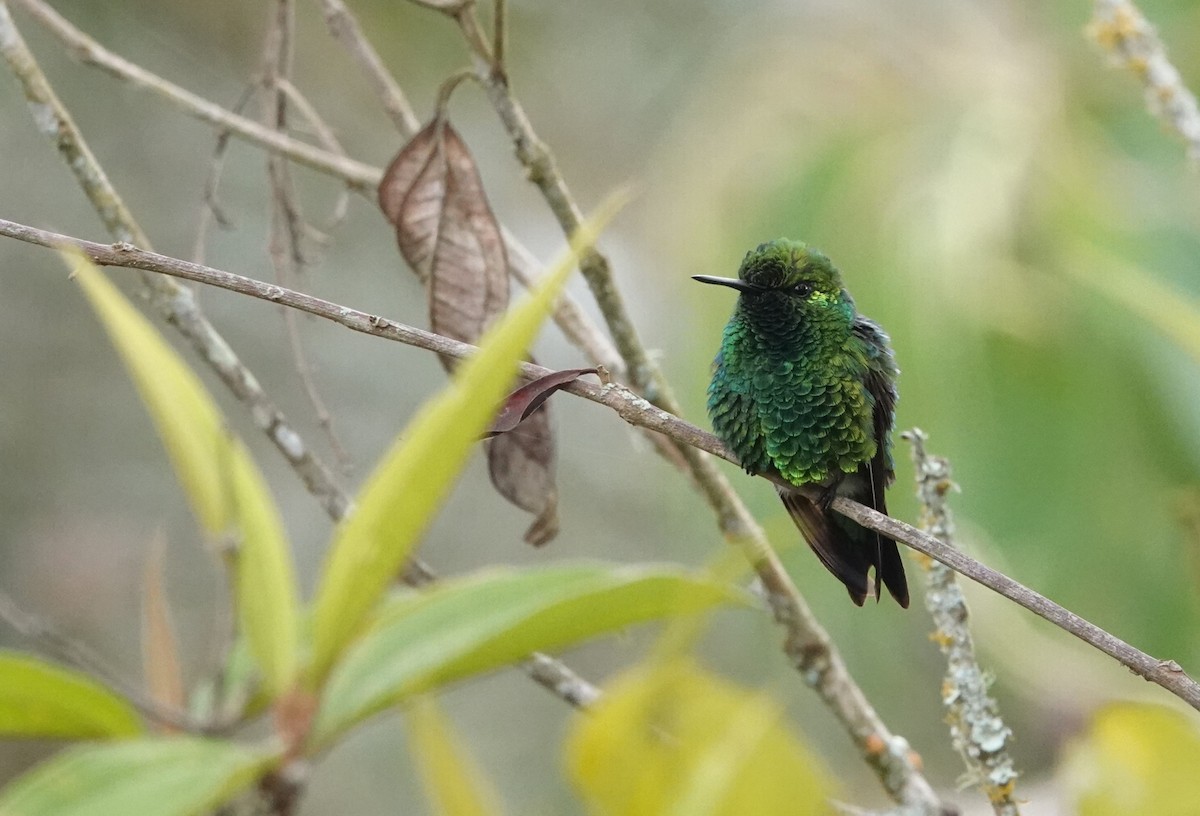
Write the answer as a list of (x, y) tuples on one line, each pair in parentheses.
[(828, 493)]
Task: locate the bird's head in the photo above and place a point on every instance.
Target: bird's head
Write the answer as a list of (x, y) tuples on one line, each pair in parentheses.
[(788, 280)]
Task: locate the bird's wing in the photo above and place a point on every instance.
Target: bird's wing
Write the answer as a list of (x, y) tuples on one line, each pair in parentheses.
[(880, 384)]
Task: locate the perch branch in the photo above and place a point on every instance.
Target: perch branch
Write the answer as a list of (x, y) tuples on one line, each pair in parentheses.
[(637, 411)]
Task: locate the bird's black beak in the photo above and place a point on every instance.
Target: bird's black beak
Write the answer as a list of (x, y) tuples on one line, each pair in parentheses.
[(732, 283)]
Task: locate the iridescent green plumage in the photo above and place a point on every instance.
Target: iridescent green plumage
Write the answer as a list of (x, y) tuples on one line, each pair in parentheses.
[(804, 387)]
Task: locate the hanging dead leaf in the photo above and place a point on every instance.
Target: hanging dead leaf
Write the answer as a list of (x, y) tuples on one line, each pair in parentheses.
[(521, 464), (529, 397), (447, 232)]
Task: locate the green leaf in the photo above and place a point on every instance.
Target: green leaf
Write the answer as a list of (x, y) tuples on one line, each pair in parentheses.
[(469, 626), (265, 579), (225, 489), (401, 496), (1136, 758), (454, 784), (38, 699), (165, 777), (677, 741)]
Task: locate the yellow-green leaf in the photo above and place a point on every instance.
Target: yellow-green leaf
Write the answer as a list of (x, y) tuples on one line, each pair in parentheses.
[(38, 699), (400, 498), (467, 626), (265, 580), (221, 482), (677, 741), (1136, 759), (454, 784), (165, 777)]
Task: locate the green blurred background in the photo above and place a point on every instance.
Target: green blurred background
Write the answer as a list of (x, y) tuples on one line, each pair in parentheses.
[(973, 168)]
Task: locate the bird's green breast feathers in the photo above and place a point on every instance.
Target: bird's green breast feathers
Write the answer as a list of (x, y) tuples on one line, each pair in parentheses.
[(796, 404)]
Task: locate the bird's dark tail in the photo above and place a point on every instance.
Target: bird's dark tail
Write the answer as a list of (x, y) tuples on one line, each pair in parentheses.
[(849, 550)]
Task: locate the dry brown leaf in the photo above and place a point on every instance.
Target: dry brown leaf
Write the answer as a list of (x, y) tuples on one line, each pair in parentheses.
[(447, 232)]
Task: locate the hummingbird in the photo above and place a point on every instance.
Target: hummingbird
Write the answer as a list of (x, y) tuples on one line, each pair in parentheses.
[(804, 388)]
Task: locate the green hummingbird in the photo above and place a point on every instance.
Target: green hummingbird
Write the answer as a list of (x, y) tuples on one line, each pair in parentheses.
[(804, 388)]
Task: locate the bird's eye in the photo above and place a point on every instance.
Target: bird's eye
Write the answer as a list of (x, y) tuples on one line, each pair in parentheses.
[(802, 290)]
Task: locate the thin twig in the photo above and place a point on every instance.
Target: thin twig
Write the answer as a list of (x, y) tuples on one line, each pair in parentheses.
[(976, 729), (178, 305), (326, 136), (636, 411), (1121, 29), (211, 209), (345, 29), (499, 36), (287, 225)]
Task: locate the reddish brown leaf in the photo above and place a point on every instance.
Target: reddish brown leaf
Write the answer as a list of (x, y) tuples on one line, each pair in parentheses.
[(447, 232), (526, 399), (521, 464)]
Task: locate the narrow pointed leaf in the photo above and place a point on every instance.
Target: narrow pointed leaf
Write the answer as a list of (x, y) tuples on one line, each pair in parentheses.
[(160, 650), (678, 741), (164, 777), (221, 482), (470, 626), (265, 578), (400, 497), (39, 699), (454, 784), (528, 398), (447, 232)]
